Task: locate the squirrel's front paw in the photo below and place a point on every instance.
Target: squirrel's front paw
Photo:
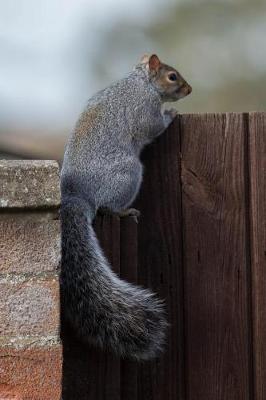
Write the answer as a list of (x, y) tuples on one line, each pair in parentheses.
[(169, 116), (172, 112)]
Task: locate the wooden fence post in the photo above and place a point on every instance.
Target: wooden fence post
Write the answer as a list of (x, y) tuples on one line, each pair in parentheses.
[(216, 257)]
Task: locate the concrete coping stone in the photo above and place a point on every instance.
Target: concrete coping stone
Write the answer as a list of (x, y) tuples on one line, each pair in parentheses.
[(32, 184)]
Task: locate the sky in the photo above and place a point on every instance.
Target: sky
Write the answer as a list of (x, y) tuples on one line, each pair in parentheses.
[(56, 53), (39, 52)]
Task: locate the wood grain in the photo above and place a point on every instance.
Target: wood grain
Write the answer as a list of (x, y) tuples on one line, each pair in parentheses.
[(128, 271), (105, 366), (88, 372), (257, 157), (200, 244), (160, 261), (216, 260)]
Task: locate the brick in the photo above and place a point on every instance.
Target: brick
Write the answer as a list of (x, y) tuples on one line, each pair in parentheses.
[(9, 393), (30, 350), (30, 307), (29, 247), (29, 184), (31, 374)]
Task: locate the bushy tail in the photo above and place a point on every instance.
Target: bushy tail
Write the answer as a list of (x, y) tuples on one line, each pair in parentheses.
[(104, 309)]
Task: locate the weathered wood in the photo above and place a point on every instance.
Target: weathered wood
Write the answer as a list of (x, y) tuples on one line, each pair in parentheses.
[(257, 157), (89, 373), (128, 271), (200, 244), (160, 261), (216, 260), (105, 366)]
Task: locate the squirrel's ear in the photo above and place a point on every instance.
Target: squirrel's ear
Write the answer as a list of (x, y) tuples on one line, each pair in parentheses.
[(154, 63), (144, 59)]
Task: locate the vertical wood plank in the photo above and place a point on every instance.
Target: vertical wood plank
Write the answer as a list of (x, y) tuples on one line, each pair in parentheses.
[(257, 147), (128, 271), (216, 257), (88, 372), (160, 261), (106, 366)]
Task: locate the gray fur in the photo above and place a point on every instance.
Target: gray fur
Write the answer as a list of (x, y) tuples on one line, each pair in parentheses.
[(102, 169)]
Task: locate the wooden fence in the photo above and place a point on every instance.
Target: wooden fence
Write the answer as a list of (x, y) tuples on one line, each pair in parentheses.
[(200, 243)]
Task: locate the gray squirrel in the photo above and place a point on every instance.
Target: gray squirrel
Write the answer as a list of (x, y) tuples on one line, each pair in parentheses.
[(102, 171)]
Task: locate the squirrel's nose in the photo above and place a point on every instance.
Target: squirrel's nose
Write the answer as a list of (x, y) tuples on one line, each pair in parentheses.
[(189, 89)]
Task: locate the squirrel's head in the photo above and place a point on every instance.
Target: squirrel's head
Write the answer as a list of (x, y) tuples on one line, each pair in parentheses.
[(166, 80)]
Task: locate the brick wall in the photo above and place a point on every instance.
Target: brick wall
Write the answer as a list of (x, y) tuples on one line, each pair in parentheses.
[(30, 349)]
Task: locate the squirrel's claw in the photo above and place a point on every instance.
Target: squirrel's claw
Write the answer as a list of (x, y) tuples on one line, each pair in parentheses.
[(130, 212)]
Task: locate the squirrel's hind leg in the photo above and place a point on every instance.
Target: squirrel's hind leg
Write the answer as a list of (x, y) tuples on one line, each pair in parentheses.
[(118, 192)]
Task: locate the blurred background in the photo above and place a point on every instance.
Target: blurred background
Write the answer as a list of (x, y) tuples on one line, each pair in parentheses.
[(56, 53)]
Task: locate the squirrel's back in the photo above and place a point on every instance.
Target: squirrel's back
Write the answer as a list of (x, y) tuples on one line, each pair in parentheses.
[(109, 119)]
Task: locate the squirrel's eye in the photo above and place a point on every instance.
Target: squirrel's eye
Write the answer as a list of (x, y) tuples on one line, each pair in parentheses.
[(172, 77)]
